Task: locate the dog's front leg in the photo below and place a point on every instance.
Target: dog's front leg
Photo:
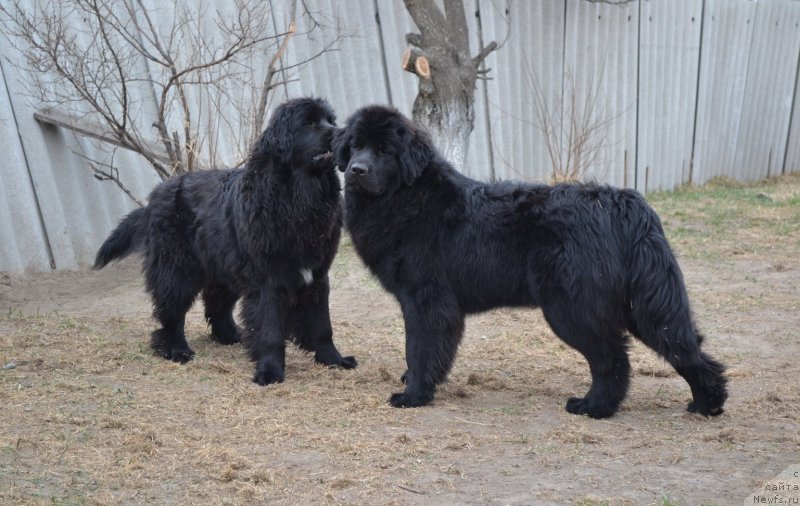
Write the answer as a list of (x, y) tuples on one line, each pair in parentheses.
[(434, 326), (263, 314), (310, 323)]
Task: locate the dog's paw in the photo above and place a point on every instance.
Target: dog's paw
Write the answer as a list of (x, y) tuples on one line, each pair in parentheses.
[(348, 362), (170, 347), (268, 372), (225, 332), (179, 355), (182, 355), (227, 338), (336, 360), (268, 377), (409, 400), (704, 409), (582, 406)]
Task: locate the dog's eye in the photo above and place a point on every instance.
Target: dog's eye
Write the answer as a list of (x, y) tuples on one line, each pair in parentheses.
[(311, 123), (383, 150), (358, 145)]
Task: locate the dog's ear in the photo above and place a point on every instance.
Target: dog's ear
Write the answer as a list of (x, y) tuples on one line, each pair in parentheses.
[(277, 140), (341, 147), (416, 154)]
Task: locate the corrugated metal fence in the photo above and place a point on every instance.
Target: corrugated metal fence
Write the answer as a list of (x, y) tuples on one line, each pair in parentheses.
[(686, 90)]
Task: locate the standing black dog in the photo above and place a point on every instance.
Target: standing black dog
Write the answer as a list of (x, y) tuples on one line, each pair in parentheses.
[(267, 232), (594, 258)]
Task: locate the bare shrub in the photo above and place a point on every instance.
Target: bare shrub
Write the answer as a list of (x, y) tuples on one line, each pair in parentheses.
[(575, 128)]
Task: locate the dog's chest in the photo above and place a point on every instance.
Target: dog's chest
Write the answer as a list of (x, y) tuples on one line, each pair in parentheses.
[(308, 275)]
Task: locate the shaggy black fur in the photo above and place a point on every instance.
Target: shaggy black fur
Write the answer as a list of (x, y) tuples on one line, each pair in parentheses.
[(594, 258), (267, 233)]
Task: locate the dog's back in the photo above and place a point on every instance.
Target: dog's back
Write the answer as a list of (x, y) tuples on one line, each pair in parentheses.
[(171, 214)]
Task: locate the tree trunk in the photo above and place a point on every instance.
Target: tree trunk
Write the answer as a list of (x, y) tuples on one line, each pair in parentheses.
[(445, 101), (445, 107)]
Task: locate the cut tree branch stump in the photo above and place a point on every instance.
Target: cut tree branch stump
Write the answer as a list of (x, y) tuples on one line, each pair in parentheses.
[(416, 63)]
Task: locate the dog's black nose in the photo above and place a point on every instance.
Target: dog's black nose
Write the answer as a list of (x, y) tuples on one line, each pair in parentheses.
[(359, 169)]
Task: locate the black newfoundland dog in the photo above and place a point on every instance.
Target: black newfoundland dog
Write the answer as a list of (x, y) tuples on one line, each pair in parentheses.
[(594, 258), (267, 232)]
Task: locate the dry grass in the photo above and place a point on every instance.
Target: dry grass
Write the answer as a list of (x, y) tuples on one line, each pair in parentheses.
[(727, 220), (89, 416)]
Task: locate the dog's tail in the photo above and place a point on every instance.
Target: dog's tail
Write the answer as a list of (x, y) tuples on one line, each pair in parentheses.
[(127, 238), (660, 314)]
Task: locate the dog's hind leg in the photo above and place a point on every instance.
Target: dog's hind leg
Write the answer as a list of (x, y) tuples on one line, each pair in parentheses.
[(705, 378), (678, 342), (606, 351), (171, 300), (219, 301), (173, 285), (661, 318), (309, 322)]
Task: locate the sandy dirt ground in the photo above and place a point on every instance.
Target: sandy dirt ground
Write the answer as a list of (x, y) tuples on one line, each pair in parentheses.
[(89, 416)]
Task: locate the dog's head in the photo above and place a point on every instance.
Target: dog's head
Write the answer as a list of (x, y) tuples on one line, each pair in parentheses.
[(379, 150), (299, 135)]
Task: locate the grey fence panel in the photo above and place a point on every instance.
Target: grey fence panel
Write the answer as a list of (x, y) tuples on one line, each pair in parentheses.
[(78, 211), (478, 162), (668, 71), (601, 52), (395, 24), (771, 73), (22, 241), (528, 66), (352, 75), (791, 161), (508, 121), (727, 37)]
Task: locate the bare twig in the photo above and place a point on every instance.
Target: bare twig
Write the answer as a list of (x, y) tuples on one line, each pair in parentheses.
[(409, 489), (475, 423), (110, 173), (486, 51), (113, 175)]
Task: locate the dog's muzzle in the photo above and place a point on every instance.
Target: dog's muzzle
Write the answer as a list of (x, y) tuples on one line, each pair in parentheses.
[(359, 169)]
